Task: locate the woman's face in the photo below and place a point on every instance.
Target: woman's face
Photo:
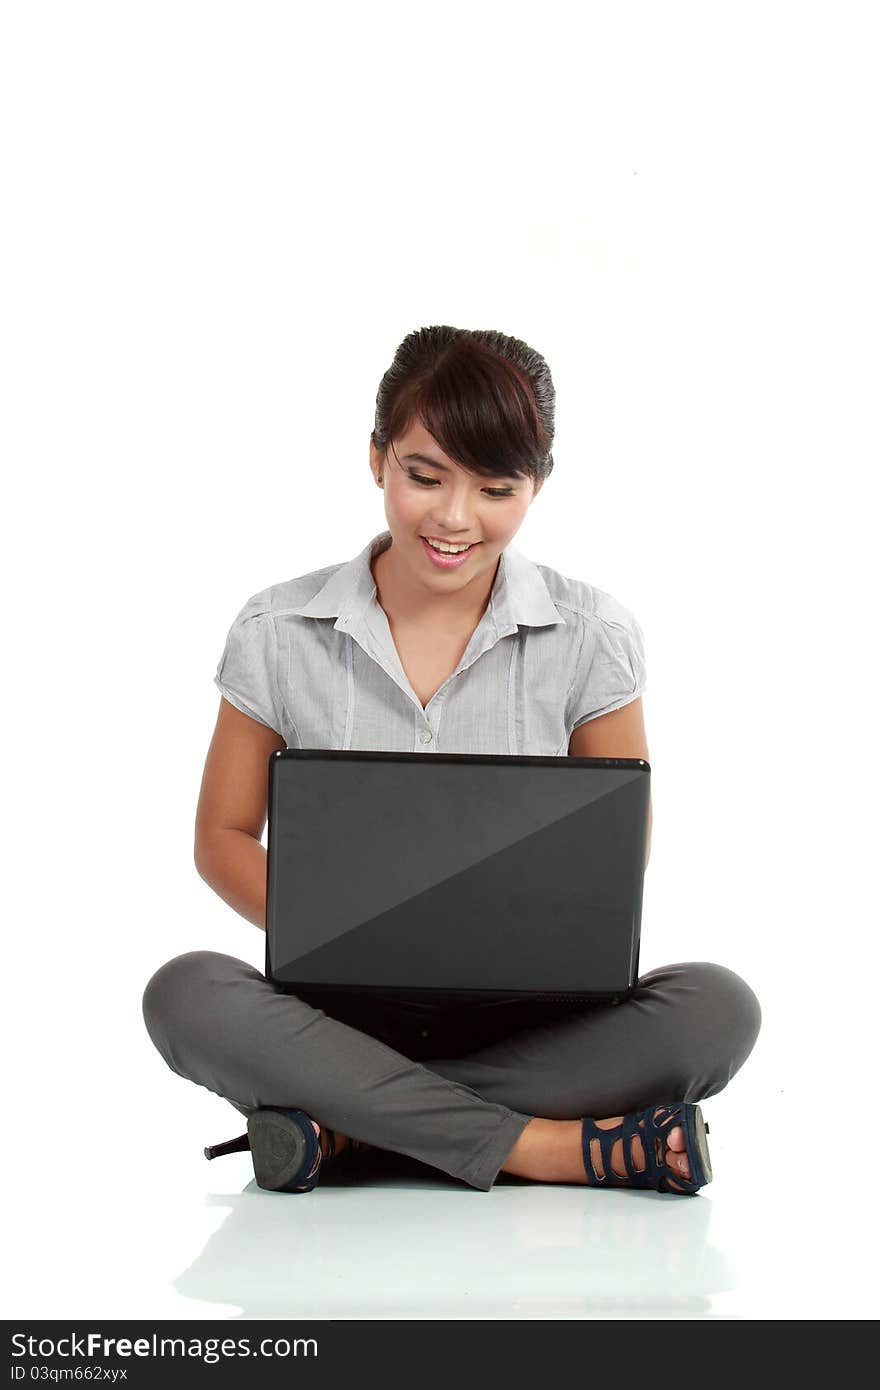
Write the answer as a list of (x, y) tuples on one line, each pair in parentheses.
[(432, 497)]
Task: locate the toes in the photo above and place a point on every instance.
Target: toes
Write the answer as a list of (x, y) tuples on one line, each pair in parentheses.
[(676, 1158), (675, 1187), (675, 1138), (675, 1155)]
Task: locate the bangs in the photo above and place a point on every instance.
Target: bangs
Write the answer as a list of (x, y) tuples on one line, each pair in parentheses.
[(477, 402)]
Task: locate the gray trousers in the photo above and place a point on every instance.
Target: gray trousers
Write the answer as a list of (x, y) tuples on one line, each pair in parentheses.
[(452, 1087)]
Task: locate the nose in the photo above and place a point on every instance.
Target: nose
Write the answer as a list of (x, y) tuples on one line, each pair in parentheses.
[(454, 517)]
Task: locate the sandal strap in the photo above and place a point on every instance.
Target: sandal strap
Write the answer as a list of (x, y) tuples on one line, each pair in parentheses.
[(632, 1129), (607, 1138), (314, 1157), (655, 1122), (316, 1166)]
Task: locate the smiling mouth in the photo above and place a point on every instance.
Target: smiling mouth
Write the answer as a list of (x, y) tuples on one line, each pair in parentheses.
[(467, 544)]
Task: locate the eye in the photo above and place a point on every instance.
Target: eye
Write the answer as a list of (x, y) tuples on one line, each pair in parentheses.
[(496, 492)]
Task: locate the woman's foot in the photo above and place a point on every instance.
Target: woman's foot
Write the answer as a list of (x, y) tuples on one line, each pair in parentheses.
[(341, 1141), (551, 1151)]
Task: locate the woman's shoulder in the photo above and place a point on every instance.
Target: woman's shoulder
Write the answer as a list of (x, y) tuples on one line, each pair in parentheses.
[(289, 593), (610, 666), (588, 601)]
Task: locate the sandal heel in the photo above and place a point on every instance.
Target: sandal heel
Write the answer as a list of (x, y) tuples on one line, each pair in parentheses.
[(231, 1146), (285, 1149), (279, 1148)]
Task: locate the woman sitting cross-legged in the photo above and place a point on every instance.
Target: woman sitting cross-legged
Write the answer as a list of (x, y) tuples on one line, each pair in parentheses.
[(440, 631)]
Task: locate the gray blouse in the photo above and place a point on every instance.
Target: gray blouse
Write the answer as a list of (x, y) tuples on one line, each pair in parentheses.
[(314, 659)]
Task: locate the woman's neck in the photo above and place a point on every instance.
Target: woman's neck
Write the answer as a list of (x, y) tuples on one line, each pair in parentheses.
[(408, 606)]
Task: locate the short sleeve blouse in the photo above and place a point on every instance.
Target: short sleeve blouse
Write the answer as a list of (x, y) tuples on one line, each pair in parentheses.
[(247, 673), (313, 658)]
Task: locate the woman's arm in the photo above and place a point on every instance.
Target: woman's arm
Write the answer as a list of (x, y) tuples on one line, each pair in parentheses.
[(232, 810), (620, 734)]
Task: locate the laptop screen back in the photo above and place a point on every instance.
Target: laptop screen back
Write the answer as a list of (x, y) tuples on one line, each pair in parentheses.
[(455, 874)]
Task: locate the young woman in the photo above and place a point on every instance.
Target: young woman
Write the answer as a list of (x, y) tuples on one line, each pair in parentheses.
[(440, 633)]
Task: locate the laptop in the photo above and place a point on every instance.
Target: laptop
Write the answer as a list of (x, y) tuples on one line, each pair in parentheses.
[(455, 877)]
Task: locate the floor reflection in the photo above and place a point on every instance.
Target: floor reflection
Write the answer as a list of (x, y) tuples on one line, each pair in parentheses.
[(395, 1239)]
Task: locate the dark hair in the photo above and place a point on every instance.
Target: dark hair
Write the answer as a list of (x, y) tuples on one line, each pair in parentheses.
[(487, 399)]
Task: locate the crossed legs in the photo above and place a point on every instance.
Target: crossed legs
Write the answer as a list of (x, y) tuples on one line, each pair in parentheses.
[(511, 1102)]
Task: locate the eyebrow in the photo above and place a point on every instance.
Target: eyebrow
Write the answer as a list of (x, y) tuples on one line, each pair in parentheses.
[(433, 463), (423, 458)]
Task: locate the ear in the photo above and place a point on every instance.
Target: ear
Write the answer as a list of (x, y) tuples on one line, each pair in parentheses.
[(377, 461)]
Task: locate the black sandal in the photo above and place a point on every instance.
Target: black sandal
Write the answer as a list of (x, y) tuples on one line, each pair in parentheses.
[(657, 1121), (286, 1150)]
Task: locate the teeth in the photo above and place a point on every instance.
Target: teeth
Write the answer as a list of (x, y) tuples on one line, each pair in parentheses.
[(447, 549)]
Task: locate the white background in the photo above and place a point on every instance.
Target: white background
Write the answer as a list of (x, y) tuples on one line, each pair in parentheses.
[(220, 220)]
